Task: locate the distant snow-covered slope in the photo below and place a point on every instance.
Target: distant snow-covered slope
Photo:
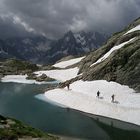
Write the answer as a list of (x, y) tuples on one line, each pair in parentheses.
[(60, 75), (67, 63)]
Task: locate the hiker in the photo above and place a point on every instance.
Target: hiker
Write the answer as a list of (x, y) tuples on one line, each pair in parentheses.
[(98, 94), (112, 97), (68, 86)]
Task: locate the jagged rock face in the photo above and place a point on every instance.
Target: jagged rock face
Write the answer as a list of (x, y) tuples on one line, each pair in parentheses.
[(74, 44), (122, 66)]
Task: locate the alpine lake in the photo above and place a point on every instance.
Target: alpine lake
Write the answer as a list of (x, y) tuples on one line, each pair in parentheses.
[(22, 102)]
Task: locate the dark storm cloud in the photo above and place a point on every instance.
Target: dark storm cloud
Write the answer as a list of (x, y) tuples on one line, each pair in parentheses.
[(12, 26), (54, 17)]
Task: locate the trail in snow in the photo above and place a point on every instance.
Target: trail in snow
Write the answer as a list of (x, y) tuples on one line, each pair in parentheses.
[(91, 102), (111, 50), (100, 100)]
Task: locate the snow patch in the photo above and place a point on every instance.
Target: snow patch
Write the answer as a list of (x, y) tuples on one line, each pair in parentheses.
[(67, 63), (133, 29), (111, 50), (22, 79), (60, 75)]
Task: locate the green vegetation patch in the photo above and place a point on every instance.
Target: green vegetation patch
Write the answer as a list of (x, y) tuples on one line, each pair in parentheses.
[(13, 129)]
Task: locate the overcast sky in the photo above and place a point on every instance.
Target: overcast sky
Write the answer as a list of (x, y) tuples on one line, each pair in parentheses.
[(55, 17)]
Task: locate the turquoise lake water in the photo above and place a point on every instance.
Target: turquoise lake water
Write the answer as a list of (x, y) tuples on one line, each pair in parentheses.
[(18, 101)]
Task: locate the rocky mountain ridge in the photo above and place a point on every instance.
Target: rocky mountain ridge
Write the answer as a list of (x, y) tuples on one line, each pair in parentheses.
[(39, 49), (122, 66), (75, 44)]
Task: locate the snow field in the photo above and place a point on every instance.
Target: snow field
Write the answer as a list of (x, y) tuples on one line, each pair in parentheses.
[(82, 96)]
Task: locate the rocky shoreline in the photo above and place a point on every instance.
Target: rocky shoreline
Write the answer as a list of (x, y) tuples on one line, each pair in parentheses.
[(17, 67), (42, 78)]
